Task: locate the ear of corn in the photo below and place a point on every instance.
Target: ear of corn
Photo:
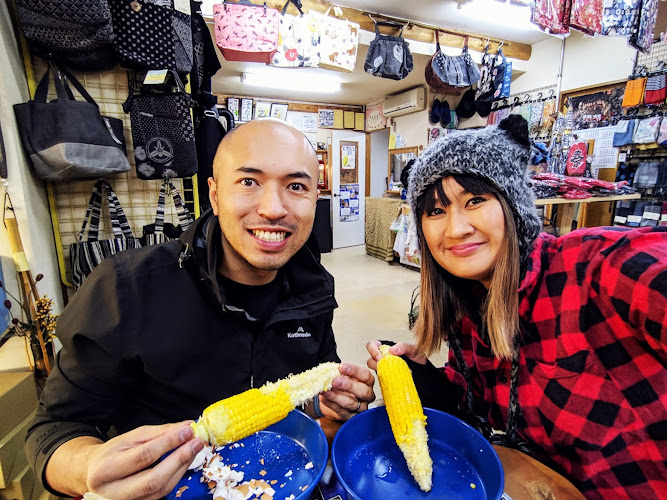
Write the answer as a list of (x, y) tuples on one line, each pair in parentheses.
[(406, 416), (239, 416)]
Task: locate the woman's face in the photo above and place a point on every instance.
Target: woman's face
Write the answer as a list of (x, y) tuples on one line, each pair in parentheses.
[(465, 232)]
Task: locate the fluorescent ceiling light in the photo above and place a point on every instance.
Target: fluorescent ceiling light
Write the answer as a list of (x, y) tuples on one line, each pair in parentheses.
[(294, 79)]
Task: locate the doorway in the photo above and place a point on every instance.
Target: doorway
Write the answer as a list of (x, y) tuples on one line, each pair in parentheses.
[(348, 172)]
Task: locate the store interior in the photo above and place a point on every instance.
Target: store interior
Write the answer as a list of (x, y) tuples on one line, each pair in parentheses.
[(365, 129)]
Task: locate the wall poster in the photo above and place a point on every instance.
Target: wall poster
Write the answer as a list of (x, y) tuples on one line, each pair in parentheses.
[(601, 108), (349, 161), (349, 202), (325, 118)]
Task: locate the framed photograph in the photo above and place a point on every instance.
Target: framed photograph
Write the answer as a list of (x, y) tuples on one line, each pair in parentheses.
[(325, 118), (246, 110), (279, 111), (262, 109), (233, 107)]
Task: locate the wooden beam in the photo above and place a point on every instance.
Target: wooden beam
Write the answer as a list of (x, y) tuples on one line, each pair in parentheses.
[(416, 30), (305, 107)]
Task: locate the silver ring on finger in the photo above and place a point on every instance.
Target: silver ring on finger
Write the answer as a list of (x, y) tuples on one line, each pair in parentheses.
[(358, 406)]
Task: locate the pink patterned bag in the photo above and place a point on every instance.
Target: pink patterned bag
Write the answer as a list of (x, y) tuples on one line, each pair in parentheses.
[(246, 32)]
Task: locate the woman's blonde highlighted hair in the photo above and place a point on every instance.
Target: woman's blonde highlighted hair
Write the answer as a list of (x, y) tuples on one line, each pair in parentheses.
[(446, 299)]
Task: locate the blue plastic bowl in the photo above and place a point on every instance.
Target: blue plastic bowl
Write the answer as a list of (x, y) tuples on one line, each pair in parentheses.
[(286, 447), (370, 465)]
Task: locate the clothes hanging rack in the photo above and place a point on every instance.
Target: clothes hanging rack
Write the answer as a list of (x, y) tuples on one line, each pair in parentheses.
[(408, 23)]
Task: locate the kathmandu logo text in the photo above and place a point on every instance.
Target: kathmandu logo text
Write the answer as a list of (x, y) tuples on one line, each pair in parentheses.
[(298, 334)]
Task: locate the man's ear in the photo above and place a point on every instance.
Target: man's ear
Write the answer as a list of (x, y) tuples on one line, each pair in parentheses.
[(213, 194)]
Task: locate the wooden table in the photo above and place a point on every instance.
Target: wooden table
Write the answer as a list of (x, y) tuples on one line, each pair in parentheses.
[(525, 477), (565, 208)]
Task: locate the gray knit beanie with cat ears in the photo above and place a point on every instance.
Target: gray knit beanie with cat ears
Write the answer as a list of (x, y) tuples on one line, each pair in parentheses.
[(499, 155)]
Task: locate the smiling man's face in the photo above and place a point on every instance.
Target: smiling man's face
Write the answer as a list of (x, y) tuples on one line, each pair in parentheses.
[(264, 192)]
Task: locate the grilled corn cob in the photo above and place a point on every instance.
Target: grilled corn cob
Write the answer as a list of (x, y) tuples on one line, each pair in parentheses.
[(251, 411), (406, 415)]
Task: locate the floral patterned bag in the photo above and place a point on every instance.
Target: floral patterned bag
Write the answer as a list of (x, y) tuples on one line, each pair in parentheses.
[(298, 40), (338, 43), (246, 32)]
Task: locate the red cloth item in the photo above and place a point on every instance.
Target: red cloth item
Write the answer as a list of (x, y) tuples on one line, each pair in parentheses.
[(575, 194), (552, 15), (592, 388), (656, 89), (586, 16), (576, 159)]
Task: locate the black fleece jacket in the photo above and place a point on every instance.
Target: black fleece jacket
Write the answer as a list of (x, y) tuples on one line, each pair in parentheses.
[(150, 338)]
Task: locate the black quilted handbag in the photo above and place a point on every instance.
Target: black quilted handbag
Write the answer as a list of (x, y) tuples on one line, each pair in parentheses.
[(79, 34), (152, 34), (162, 132)]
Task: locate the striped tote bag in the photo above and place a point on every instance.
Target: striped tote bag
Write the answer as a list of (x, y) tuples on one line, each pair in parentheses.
[(86, 255), (161, 231)]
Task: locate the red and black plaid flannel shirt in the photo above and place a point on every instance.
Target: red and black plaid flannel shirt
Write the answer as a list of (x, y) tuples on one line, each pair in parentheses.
[(593, 355)]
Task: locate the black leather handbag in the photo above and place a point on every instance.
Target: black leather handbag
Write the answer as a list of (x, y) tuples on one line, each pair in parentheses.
[(388, 56)]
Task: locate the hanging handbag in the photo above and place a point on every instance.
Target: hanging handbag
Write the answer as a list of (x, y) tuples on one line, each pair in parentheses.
[(162, 231), (299, 40), (484, 90), (388, 56), (246, 32), (449, 74), (69, 139), (339, 41), (620, 17), (586, 16), (499, 68), (153, 34), (86, 255), (162, 132), (79, 34)]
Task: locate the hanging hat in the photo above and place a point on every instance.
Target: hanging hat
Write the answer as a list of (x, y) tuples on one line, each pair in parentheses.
[(499, 155), (435, 112), (466, 107), (446, 115), (483, 108)]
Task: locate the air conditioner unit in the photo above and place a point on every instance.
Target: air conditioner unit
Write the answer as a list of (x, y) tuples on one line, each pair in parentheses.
[(404, 103)]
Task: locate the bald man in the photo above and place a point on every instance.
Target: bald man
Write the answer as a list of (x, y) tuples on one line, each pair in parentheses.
[(157, 334)]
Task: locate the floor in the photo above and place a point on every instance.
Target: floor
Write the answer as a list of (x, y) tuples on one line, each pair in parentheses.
[(373, 302)]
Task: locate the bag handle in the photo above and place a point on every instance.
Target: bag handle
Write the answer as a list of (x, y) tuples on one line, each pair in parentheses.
[(184, 217), (77, 85), (119, 223), (92, 214), (62, 90), (297, 4)]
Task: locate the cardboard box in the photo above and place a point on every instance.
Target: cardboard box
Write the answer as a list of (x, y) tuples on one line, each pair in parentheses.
[(12, 455), (18, 397), (21, 487)]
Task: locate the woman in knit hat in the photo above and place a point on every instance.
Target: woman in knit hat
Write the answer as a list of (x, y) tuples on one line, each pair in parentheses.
[(559, 342)]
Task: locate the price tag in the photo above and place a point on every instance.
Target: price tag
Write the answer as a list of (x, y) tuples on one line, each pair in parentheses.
[(155, 77), (182, 6)]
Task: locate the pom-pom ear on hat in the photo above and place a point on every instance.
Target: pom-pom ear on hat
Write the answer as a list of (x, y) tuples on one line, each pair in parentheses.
[(516, 127)]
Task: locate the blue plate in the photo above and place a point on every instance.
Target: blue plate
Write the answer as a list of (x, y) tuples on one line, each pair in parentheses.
[(370, 465), (285, 446)]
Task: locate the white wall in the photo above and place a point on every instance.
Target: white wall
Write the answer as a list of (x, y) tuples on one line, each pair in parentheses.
[(596, 61), (542, 68), (588, 62), (379, 162), (27, 193), (413, 127)]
